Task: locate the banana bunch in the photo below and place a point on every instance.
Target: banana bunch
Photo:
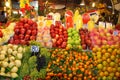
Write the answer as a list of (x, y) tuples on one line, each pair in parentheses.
[(78, 20)]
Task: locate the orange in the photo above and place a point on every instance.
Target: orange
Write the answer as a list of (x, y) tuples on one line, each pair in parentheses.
[(106, 73), (94, 49), (103, 51), (101, 74), (103, 58), (117, 74), (109, 69), (108, 60), (109, 50)]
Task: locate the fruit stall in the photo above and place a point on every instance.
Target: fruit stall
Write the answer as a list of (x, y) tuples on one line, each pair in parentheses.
[(76, 46)]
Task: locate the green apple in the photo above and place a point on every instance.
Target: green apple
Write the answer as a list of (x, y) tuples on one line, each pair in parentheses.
[(77, 42), (74, 32), (69, 38), (69, 30), (69, 45), (76, 35), (69, 34)]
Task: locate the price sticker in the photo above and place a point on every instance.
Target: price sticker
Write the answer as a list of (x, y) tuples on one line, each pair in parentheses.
[(115, 33), (35, 49)]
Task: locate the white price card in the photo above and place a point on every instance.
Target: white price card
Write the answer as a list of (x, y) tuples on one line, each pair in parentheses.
[(102, 24)]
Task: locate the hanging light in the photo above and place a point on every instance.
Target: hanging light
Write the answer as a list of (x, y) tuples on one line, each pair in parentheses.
[(93, 4), (7, 4), (82, 3)]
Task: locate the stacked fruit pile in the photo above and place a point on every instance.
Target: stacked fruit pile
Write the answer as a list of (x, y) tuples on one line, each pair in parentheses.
[(6, 33), (73, 39), (104, 36), (107, 60), (44, 37), (59, 35), (70, 65), (25, 30), (86, 41), (10, 60)]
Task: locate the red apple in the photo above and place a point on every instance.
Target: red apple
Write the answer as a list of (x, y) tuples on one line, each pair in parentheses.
[(23, 42), (53, 35), (17, 41), (28, 32), (27, 37), (22, 31), (32, 37), (34, 24), (84, 46), (34, 32), (11, 41), (17, 31), (21, 24), (16, 36), (26, 26), (30, 22), (21, 36), (25, 20)]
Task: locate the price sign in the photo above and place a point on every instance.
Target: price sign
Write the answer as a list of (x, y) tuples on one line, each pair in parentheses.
[(115, 33), (35, 49)]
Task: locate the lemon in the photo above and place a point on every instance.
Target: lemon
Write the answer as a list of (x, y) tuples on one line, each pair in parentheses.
[(99, 66)]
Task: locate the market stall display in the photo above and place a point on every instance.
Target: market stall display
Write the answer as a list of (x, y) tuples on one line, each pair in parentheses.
[(47, 48)]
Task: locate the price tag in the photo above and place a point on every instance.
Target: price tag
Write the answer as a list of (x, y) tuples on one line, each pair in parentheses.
[(35, 49), (102, 24), (115, 33), (108, 25)]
